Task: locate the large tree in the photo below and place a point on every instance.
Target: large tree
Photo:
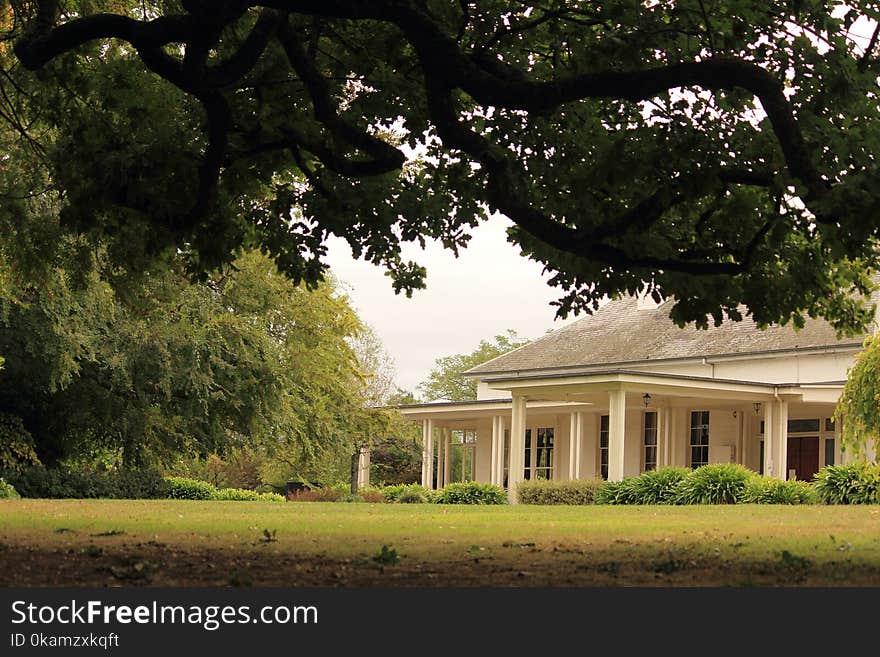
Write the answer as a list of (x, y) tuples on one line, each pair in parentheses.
[(445, 381), (167, 367), (723, 152)]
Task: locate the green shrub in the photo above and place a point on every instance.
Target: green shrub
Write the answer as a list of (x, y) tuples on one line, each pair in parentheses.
[(615, 492), (854, 483), (316, 495), (768, 490), (543, 491), (472, 492), (656, 486), (184, 488), (393, 493), (58, 483), (17, 449), (351, 498), (716, 483), (411, 497), (237, 495), (7, 491)]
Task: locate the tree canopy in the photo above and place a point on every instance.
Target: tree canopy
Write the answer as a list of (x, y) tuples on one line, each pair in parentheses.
[(721, 152), (445, 381), (858, 410), (245, 359)]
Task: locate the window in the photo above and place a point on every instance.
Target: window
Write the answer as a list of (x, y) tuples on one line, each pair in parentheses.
[(699, 438), (761, 461), (603, 447), (829, 424), (539, 454), (538, 457), (650, 441), (803, 426), (829, 451)]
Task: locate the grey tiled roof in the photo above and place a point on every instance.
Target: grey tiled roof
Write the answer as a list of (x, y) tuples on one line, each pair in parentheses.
[(620, 333)]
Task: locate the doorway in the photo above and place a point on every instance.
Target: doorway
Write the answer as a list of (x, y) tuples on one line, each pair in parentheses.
[(803, 458)]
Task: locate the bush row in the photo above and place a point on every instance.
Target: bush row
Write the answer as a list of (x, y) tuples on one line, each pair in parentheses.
[(59, 483), (184, 488), (456, 493), (725, 483)]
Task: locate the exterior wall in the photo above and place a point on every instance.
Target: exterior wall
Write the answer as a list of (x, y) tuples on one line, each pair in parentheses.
[(632, 465), (799, 368), (485, 392), (483, 450)]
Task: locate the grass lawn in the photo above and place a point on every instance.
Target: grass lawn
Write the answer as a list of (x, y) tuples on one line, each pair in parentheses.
[(171, 542)]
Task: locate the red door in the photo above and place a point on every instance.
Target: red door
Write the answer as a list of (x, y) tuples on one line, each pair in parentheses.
[(803, 457)]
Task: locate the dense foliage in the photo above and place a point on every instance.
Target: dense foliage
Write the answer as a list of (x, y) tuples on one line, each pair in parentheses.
[(66, 483), (858, 410), (854, 483), (182, 488), (768, 490), (716, 483), (7, 491), (471, 492), (724, 153)]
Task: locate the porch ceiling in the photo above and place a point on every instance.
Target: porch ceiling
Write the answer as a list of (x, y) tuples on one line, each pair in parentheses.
[(466, 411), (570, 388)]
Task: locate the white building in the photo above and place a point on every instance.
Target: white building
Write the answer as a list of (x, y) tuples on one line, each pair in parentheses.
[(625, 390)]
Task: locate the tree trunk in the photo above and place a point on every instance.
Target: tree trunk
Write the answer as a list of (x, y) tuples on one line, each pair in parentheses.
[(355, 461)]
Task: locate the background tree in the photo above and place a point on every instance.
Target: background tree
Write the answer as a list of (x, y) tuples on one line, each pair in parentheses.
[(245, 359), (445, 381), (858, 410), (719, 154)]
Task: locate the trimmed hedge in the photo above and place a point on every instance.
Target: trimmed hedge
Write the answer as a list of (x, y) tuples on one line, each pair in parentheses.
[(854, 483), (544, 491), (64, 483), (245, 495), (472, 492), (184, 488), (7, 491)]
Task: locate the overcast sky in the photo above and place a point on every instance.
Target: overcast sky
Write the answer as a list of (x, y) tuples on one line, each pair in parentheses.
[(488, 289)]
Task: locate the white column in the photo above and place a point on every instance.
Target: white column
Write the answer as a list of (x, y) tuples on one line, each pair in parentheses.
[(616, 434), (662, 437), (781, 433), (497, 446), (517, 446), (427, 453), (500, 464), (441, 457), (575, 440), (364, 468), (464, 451), (769, 438), (425, 459), (447, 458)]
